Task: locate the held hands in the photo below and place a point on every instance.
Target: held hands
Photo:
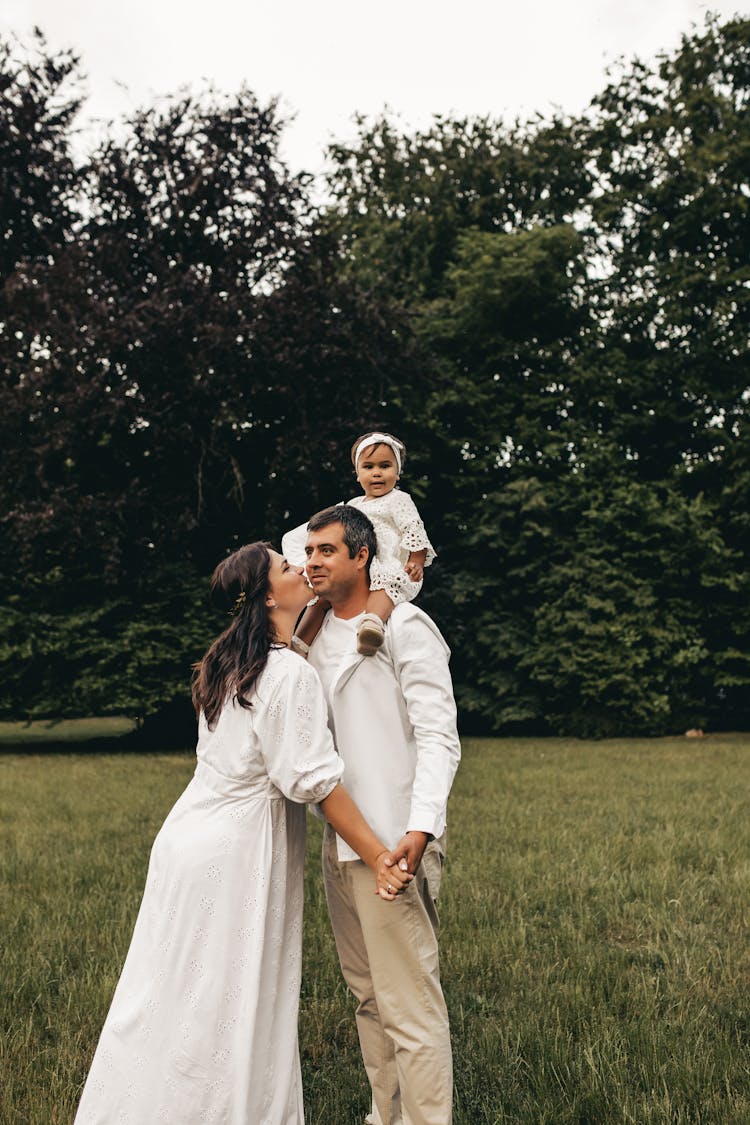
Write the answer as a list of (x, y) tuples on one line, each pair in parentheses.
[(390, 881), (407, 855), (395, 870)]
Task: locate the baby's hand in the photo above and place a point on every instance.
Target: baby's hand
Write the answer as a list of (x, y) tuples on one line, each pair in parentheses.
[(390, 881), (415, 570)]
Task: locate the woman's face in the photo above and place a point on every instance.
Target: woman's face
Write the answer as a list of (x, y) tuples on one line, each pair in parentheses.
[(289, 587)]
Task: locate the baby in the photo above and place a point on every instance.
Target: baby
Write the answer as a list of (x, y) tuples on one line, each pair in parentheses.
[(403, 547)]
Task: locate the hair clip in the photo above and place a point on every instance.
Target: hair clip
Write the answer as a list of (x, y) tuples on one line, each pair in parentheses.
[(239, 604)]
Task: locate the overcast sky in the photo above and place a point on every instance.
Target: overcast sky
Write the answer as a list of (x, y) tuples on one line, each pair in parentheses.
[(330, 59)]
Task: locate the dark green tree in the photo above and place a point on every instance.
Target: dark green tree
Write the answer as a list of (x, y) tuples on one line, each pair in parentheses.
[(509, 328), (588, 315), (401, 201), (39, 98), (171, 376), (554, 315), (670, 146), (472, 223)]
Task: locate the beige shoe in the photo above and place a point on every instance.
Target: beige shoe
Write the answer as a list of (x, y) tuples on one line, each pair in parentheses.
[(370, 635)]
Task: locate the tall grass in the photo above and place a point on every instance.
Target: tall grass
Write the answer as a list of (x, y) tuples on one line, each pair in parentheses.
[(595, 952)]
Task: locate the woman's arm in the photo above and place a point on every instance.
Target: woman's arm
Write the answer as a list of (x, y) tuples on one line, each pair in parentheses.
[(343, 815)]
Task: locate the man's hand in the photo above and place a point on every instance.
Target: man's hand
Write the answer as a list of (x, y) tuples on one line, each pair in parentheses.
[(408, 851), (390, 880)]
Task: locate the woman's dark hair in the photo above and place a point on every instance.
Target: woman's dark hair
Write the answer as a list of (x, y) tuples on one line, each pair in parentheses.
[(237, 657)]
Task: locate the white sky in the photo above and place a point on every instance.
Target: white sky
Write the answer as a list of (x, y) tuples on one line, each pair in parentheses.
[(330, 59)]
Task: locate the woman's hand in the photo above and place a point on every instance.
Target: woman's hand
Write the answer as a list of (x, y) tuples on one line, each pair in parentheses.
[(390, 882)]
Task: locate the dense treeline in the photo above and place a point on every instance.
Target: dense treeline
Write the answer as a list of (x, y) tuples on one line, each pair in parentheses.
[(554, 315)]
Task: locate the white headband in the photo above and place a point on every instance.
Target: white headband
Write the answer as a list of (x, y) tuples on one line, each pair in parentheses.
[(377, 439)]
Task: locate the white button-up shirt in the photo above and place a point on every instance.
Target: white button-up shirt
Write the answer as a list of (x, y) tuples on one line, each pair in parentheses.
[(393, 719)]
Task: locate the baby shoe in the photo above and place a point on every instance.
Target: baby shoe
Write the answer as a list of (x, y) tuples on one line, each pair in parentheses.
[(370, 635)]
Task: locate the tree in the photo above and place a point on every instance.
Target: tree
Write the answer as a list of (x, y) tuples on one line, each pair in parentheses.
[(475, 223), (38, 178), (670, 148), (554, 315), (171, 368), (581, 288), (401, 202), (510, 328)]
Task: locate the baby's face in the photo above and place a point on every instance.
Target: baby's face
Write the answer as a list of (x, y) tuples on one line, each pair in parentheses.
[(377, 471)]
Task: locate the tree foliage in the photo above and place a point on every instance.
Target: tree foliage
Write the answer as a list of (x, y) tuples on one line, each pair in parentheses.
[(38, 179), (170, 359), (588, 310), (400, 202), (553, 314)]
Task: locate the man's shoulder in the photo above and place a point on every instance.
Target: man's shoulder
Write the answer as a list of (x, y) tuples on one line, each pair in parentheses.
[(407, 611), (408, 620)]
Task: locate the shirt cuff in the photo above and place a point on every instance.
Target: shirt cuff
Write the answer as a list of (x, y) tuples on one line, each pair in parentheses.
[(427, 822)]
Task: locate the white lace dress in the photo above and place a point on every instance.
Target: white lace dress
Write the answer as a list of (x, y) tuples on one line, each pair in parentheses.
[(399, 531), (203, 1024)]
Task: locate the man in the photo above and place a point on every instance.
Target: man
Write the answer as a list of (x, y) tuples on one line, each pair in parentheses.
[(393, 720)]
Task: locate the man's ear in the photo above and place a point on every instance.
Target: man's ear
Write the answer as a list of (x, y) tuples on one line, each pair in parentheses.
[(362, 557)]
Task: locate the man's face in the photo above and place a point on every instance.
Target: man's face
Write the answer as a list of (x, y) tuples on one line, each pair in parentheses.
[(332, 574)]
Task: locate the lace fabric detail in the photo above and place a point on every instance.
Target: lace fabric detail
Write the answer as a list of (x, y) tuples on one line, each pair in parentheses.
[(305, 682), (316, 781), (414, 538), (276, 708), (396, 583), (399, 530)]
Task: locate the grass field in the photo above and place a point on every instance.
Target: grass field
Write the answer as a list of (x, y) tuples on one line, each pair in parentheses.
[(595, 950), (43, 732)]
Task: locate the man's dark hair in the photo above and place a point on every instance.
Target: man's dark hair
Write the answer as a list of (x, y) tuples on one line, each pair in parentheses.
[(358, 531)]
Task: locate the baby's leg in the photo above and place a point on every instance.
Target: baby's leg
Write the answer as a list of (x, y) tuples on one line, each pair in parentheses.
[(378, 602), (309, 624), (371, 634)]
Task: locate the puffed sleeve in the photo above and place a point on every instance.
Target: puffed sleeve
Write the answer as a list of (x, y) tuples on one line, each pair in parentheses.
[(295, 741), (413, 536)]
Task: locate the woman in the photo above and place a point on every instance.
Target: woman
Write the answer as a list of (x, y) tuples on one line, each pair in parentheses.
[(203, 1024)]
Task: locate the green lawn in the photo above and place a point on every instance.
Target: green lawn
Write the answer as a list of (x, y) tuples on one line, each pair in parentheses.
[(595, 949), (41, 731)]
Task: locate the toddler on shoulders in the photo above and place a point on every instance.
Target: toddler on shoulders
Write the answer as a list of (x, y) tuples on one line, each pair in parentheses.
[(403, 551)]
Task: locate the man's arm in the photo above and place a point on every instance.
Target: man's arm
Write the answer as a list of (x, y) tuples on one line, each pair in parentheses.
[(420, 659)]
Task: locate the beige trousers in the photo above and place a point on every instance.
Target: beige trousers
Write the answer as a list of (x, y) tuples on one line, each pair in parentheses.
[(389, 957)]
